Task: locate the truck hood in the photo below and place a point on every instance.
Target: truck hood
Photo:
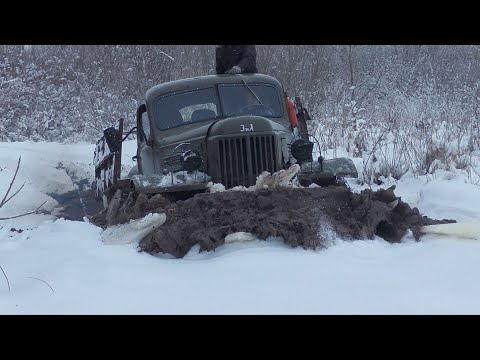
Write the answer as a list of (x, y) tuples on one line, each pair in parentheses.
[(244, 125), (241, 125), (188, 133)]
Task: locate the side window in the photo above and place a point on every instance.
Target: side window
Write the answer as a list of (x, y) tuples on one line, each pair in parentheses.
[(146, 125)]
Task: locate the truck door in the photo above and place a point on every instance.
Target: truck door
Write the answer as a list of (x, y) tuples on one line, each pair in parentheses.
[(145, 142)]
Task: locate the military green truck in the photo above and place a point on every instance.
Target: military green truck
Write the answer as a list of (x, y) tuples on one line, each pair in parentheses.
[(224, 129)]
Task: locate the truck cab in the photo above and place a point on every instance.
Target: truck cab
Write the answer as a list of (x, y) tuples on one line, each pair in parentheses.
[(237, 124), (225, 129)]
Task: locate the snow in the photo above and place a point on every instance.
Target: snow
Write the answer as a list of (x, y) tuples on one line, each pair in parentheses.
[(133, 231), (171, 179), (265, 180), (214, 187), (440, 203), (240, 236), (56, 266)]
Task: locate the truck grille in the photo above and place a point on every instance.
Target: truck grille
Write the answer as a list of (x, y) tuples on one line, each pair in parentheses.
[(243, 159)]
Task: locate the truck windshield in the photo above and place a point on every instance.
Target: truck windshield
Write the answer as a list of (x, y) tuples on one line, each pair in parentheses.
[(176, 109), (237, 100), (180, 108)]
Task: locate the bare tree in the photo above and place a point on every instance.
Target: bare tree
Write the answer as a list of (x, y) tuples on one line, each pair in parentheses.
[(72, 92), (6, 198)]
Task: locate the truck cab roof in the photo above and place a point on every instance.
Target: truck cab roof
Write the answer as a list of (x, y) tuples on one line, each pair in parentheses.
[(200, 82)]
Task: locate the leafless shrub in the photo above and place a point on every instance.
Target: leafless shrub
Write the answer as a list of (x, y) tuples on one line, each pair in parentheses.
[(7, 198)]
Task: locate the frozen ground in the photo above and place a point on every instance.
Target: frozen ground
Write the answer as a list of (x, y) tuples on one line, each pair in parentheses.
[(58, 266)]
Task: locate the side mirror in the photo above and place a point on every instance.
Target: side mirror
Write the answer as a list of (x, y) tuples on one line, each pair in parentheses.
[(112, 139)]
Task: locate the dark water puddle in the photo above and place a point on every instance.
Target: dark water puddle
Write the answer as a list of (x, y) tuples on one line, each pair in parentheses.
[(79, 203)]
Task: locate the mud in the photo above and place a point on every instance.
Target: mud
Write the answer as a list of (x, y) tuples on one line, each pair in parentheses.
[(302, 217), (125, 207)]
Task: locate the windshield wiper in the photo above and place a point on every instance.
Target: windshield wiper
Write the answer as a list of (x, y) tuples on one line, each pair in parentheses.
[(256, 97)]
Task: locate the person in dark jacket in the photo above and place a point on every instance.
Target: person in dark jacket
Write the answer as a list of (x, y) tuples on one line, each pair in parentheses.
[(236, 59)]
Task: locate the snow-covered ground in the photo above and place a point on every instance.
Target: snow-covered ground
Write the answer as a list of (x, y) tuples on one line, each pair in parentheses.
[(56, 266)]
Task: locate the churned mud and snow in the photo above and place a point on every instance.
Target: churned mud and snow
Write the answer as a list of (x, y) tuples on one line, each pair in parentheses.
[(56, 263)]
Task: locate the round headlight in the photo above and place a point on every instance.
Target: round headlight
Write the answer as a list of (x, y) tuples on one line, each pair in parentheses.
[(302, 150), (191, 160)]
